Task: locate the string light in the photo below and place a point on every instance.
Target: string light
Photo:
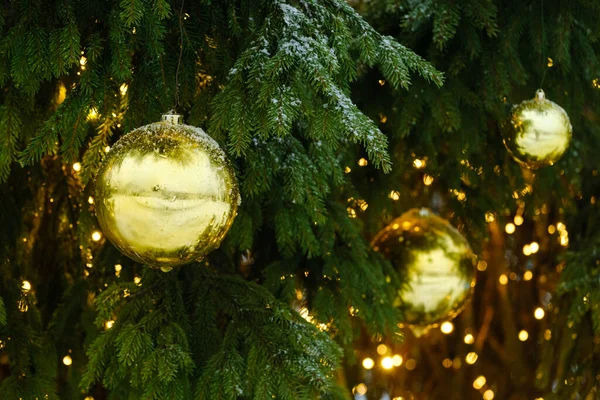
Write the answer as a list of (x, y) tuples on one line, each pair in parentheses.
[(427, 179), (503, 279), (91, 200), (488, 394), (387, 363), (109, 324), (479, 382), (471, 358), (93, 114), (363, 162), (547, 334), (523, 335), (137, 280), (394, 195), (419, 164), (469, 339), (107, 149), (539, 313), (351, 212), (527, 249), (123, 89), (397, 359), (534, 246), (26, 286), (382, 349), (447, 363), (96, 236), (77, 167), (518, 220), (368, 363), (489, 217), (447, 327), (510, 228), (482, 265), (347, 170), (89, 398), (361, 389), (528, 275), (67, 360), (551, 229)]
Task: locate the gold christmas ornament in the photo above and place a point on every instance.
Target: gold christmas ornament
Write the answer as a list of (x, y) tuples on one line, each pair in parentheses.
[(435, 263), (538, 133), (166, 194)]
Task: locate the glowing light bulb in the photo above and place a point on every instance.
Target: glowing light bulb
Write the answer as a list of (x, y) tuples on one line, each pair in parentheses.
[(361, 389), (527, 249), (539, 313), (518, 220), (471, 358), (447, 327), (109, 324), (419, 164), (394, 195), (123, 89), (528, 275), (96, 236), (489, 217), (92, 114), (368, 363), (347, 170), (427, 179), (469, 339), (534, 246), (363, 162), (77, 167), (118, 267), (503, 279), (523, 335), (510, 228), (387, 363), (397, 359), (479, 382), (488, 394), (67, 360), (107, 149), (91, 200), (382, 349), (26, 286), (482, 265), (551, 229)]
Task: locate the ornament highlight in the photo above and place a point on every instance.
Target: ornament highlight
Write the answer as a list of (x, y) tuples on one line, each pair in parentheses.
[(538, 133), (166, 194), (433, 260)]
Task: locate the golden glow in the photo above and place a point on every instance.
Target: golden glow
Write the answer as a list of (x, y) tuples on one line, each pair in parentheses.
[(93, 114), (123, 89), (427, 179), (488, 394), (419, 164), (518, 220), (118, 267), (363, 205), (62, 94), (107, 149), (479, 382), (523, 335), (347, 170), (564, 240), (77, 167), (109, 324), (510, 228), (547, 334), (469, 339), (447, 327), (411, 364), (471, 358), (550, 62), (351, 212), (534, 246), (381, 82), (539, 313), (363, 162), (503, 279), (528, 275), (482, 265), (361, 389), (382, 349), (527, 249), (137, 280), (402, 398), (82, 61), (551, 229), (394, 195), (489, 217), (368, 363), (67, 360), (387, 363), (91, 200), (447, 363), (560, 227), (89, 398), (26, 286), (397, 359), (96, 236)]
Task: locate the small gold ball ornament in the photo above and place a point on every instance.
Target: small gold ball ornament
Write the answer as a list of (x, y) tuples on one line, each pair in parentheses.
[(538, 133), (166, 194), (434, 262)]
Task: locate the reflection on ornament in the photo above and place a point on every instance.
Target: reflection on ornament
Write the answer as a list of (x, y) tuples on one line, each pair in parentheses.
[(433, 260), (166, 194), (538, 133)]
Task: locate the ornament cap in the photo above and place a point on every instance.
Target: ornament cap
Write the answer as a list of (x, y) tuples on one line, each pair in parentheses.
[(540, 95), (172, 117)]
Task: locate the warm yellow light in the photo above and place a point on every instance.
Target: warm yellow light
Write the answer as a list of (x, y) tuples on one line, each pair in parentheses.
[(489, 217), (479, 382), (534, 246), (482, 265), (398, 398), (347, 170), (363, 162), (67, 360), (368, 363), (351, 212), (411, 364), (547, 334), (82, 61), (118, 267), (528, 275), (107, 149), (91, 200), (382, 349), (427, 179), (469, 339), (109, 324), (89, 398), (550, 62), (488, 394), (123, 89), (564, 240), (137, 280), (523, 335), (461, 196), (361, 389), (93, 114), (527, 250), (560, 226), (394, 195), (397, 359), (539, 313), (447, 327), (447, 363), (77, 167), (418, 164), (518, 220), (363, 205), (26, 286), (503, 279), (510, 228), (387, 363), (551, 229), (471, 358), (96, 236)]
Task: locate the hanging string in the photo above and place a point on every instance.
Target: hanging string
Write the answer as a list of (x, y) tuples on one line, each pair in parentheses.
[(180, 55), (544, 59)]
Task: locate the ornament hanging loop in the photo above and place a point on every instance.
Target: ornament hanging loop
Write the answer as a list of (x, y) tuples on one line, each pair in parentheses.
[(172, 117), (540, 95)]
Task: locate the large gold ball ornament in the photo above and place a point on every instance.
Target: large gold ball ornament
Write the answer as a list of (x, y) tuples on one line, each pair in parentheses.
[(166, 194), (434, 262), (538, 133)]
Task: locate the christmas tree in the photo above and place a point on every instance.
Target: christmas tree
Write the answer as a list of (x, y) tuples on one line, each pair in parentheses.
[(336, 119)]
